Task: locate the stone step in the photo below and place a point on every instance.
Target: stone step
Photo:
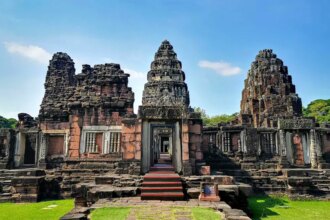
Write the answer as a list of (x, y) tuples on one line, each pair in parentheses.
[(162, 177), (5, 182), (164, 168), (6, 199), (161, 172), (225, 165), (324, 165), (28, 172), (161, 189), (161, 184), (302, 172), (162, 196)]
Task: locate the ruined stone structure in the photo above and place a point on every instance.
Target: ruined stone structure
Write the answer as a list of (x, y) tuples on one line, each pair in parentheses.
[(271, 135), (87, 137), (268, 92)]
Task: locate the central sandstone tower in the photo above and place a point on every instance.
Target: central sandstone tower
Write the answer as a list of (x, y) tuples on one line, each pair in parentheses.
[(169, 124)]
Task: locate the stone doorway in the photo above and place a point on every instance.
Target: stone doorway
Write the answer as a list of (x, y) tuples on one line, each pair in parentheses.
[(164, 147), (160, 138), (162, 142), (3, 143), (30, 151)]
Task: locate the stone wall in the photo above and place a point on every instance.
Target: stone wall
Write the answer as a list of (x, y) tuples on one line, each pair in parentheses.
[(98, 96), (131, 139), (7, 148)]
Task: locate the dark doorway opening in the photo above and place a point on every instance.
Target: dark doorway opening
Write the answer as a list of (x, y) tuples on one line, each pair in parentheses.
[(30, 154), (164, 144)]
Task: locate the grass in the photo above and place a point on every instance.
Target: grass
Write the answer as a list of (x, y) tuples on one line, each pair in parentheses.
[(204, 214), (121, 213), (282, 208), (36, 211)]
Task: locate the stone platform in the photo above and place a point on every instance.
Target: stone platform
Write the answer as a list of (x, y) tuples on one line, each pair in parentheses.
[(146, 209)]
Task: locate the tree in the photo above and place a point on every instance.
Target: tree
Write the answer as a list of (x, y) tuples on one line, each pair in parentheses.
[(7, 123), (319, 109), (216, 119)]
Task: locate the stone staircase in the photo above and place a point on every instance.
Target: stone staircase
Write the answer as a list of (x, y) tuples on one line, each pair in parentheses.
[(162, 183), (266, 177), (263, 175), (308, 181), (6, 190), (21, 185)]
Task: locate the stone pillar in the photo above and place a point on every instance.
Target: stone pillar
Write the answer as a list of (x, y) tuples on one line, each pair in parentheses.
[(17, 155), (312, 149), (243, 141), (222, 142), (217, 141), (320, 160), (282, 143), (272, 150), (283, 163), (42, 151)]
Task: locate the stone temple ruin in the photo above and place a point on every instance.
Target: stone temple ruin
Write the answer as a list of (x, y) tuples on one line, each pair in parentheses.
[(88, 143)]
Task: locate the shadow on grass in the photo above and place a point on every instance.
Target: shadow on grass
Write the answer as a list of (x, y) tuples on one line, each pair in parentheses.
[(261, 206)]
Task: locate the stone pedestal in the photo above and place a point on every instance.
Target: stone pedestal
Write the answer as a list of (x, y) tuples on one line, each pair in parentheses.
[(209, 192)]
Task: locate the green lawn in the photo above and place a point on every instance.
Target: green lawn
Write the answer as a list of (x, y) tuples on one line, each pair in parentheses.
[(123, 212), (282, 208), (42, 210), (204, 214)]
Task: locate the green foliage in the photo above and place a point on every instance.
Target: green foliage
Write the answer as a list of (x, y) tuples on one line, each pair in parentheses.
[(34, 211), (319, 109), (214, 120), (271, 207), (7, 123)]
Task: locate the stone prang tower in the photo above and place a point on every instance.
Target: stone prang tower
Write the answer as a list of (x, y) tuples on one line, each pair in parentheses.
[(168, 124), (165, 86), (268, 92)]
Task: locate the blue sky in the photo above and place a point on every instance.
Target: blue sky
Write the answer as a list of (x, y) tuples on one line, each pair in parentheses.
[(215, 40)]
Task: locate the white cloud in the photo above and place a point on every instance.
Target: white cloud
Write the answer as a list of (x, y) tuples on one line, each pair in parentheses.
[(222, 68), (32, 52), (135, 74)]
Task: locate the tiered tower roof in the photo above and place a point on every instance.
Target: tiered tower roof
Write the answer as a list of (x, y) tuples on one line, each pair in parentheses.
[(268, 92)]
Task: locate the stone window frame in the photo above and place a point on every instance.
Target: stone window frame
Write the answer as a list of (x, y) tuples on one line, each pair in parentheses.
[(107, 136), (227, 142), (272, 142), (44, 141)]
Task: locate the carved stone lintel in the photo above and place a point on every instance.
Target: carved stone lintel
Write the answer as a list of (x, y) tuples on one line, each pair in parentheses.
[(296, 123)]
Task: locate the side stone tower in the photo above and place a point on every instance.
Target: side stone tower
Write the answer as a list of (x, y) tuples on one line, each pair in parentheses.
[(81, 114), (59, 87), (268, 92)]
